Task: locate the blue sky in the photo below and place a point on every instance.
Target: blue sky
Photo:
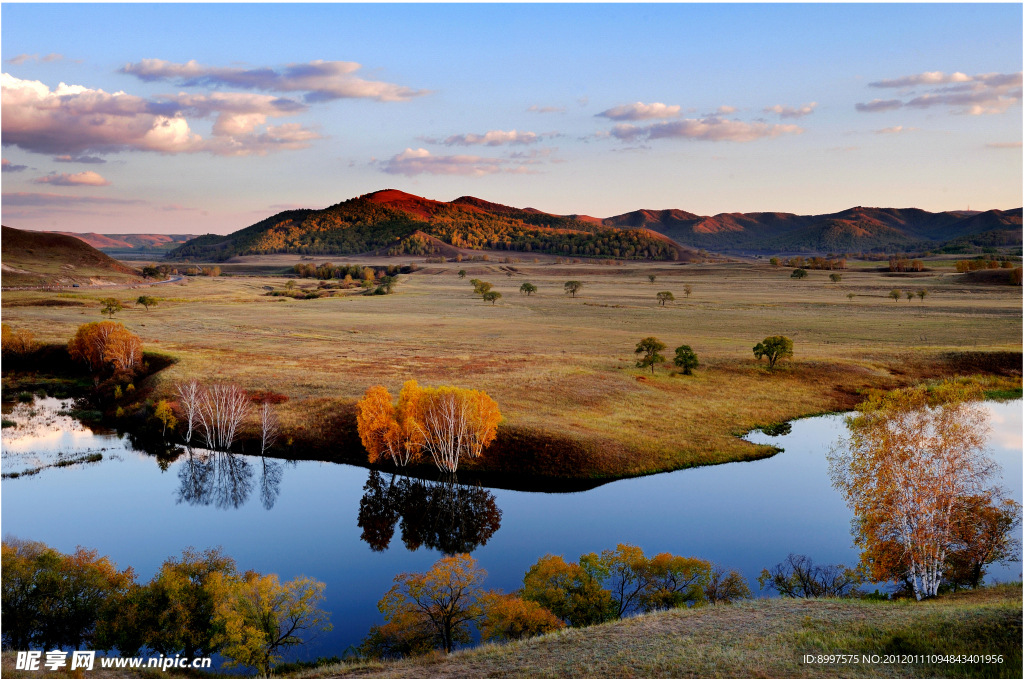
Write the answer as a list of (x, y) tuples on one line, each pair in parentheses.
[(226, 114)]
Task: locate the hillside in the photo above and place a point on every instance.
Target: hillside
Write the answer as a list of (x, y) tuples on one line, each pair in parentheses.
[(32, 258), (384, 221), (855, 229), (130, 241)]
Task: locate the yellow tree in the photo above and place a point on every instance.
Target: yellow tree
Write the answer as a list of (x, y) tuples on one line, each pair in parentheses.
[(507, 617), (18, 342), (439, 603), (375, 421), (912, 460), (106, 344), (260, 618)]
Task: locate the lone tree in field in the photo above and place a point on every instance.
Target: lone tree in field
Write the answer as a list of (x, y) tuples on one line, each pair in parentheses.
[(850, 296), (652, 278), (665, 296), (572, 287), (912, 468), (146, 301), (480, 287), (528, 288), (835, 277), (774, 349), (462, 273), (110, 306), (687, 290), (491, 296), (798, 273), (648, 349), (896, 293), (922, 293), (686, 359)]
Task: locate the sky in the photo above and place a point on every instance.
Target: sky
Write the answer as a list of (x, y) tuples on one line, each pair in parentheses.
[(193, 119)]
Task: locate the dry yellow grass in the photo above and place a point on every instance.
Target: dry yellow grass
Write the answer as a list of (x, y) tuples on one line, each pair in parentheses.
[(562, 366)]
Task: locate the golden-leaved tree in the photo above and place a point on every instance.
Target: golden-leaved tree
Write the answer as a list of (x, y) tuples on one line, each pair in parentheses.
[(448, 422), (912, 470), (106, 345)]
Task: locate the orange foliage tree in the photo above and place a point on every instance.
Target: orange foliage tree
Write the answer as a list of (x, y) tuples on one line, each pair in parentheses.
[(507, 617), (449, 422), (106, 344), (909, 468), (432, 609), (17, 342)]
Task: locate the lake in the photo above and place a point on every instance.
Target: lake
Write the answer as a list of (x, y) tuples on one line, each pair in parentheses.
[(355, 530)]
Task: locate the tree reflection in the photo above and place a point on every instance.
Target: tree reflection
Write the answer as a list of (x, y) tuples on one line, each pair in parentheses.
[(224, 480), (443, 515)]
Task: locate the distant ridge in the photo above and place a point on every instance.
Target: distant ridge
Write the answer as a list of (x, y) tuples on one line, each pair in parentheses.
[(38, 258), (384, 221)]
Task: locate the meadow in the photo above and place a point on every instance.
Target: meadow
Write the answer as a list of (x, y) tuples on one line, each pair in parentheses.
[(562, 368)]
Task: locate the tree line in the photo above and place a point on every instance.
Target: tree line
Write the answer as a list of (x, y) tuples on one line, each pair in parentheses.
[(438, 609), (196, 605)]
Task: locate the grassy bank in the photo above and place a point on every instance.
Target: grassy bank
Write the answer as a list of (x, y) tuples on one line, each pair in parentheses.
[(562, 368), (762, 638)]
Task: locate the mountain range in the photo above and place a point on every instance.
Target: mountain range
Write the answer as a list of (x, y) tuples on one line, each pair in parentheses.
[(393, 222)]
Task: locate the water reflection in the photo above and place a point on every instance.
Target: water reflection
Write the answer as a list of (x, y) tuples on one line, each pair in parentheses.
[(443, 515), (225, 480)]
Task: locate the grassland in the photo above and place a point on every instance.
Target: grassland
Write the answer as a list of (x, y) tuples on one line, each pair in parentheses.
[(764, 638), (562, 368)]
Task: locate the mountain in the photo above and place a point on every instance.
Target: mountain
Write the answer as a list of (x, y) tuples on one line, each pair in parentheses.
[(855, 229), (385, 221), (130, 241), (34, 258)]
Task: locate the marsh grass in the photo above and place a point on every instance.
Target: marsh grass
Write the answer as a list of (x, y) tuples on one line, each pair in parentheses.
[(562, 369)]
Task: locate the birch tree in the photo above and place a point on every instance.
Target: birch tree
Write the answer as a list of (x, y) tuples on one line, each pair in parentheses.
[(222, 408), (913, 459), (188, 399)]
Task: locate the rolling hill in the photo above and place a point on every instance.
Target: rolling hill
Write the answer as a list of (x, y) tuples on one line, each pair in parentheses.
[(384, 222), (130, 241), (855, 229), (392, 222), (35, 258)]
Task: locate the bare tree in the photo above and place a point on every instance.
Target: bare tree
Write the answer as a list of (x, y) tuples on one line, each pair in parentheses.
[(269, 427), (445, 424), (188, 397), (223, 407)]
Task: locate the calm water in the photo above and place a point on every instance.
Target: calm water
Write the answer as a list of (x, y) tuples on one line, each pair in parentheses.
[(355, 531)]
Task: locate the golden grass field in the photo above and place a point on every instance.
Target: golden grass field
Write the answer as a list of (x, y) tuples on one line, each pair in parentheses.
[(562, 368)]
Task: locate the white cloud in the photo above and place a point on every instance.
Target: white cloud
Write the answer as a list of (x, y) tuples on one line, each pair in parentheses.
[(725, 110), (87, 178), (7, 166), (73, 120), (492, 138), (985, 93), (790, 112), (320, 80), (704, 129), (640, 111), (412, 162), (928, 78)]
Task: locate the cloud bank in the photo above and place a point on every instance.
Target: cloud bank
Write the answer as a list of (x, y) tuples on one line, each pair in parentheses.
[(73, 120), (412, 162), (704, 129), (790, 112), (491, 138), (987, 93), (319, 80)]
